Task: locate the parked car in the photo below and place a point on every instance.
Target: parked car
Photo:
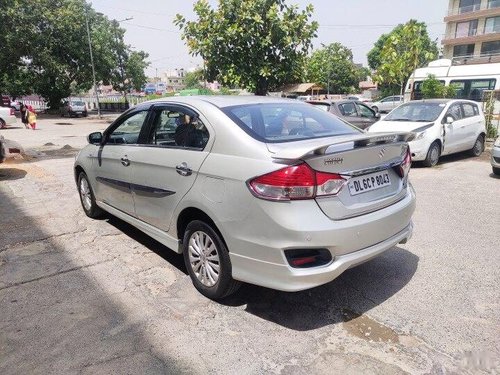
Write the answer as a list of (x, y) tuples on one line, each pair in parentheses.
[(495, 157), (7, 117), (440, 127), (268, 191), (4, 101), (73, 108), (387, 104), (3, 152), (352, 111), (16, 105)]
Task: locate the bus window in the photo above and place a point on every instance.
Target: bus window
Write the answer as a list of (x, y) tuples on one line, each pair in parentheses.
[(417, 89), (472, 88)]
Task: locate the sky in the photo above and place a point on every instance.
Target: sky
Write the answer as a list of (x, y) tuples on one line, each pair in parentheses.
[(356, 24)]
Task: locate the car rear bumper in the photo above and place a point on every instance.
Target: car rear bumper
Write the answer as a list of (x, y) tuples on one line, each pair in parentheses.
[(10, 120), (351, 242)]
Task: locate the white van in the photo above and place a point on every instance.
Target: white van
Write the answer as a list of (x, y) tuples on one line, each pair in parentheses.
[(471, 79)]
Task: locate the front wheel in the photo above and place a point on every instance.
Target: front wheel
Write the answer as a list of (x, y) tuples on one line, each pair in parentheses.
[(207, 261), (375, 108), (87, 197), (478, 147), (3, 124), (433, 154), (496, 171)]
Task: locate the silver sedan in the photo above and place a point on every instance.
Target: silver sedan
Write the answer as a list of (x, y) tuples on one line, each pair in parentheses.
[(267, 191), (495, 157)]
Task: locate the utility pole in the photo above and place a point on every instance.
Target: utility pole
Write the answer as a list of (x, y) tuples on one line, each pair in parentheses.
[(92, 62), (120, 61)]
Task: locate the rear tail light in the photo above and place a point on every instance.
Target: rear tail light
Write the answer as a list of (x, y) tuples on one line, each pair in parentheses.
[(404, 167), (296, 182), (12, 112)]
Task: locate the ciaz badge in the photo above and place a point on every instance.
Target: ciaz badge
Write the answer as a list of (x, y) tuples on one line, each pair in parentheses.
[(332, 161)]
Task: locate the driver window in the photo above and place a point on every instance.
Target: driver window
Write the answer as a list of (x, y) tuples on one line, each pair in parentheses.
[(177, 128), (365, 111), (128, 131), (348, 109), (455, 111)]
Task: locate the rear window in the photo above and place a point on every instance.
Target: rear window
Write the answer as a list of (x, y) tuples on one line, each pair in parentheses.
[(79, 104), (284, 122)]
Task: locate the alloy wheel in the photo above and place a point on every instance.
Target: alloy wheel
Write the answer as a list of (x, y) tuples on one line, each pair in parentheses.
[(204, 258), (85, 194)]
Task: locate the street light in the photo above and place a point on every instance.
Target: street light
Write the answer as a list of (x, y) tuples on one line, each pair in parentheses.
[(92, 62), (329, 73)]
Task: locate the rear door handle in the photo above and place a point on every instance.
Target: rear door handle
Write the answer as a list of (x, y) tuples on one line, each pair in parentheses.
[(125, 161), (183, 169)]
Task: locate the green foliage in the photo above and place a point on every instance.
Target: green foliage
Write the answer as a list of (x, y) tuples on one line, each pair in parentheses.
[(254, 44), (332, 65), (193, 79), (433, 88), (405, 49), (45, 50), (489, 110)]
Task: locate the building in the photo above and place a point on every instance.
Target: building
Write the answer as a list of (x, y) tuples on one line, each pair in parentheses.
[(472, 29), (175, 80)]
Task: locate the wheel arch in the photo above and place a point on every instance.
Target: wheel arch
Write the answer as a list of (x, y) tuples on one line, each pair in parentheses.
[(189, 214), (77, 170)]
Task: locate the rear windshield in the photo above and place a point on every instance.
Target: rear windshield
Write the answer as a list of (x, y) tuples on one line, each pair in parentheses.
[(282, 122), (78, 104)]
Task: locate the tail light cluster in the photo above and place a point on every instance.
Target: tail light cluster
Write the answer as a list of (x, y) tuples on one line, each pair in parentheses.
[(296, 182), (405, 166)]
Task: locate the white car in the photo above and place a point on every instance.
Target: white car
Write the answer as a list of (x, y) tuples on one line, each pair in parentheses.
[(495, 157), (387, 104), (440, 127), (7, 117)]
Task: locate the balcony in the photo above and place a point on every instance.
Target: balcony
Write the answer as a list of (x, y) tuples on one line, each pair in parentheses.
[(473, 14), (469, 39)]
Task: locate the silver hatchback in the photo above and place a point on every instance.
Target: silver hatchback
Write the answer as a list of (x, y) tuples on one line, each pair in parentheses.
[(267, 191)]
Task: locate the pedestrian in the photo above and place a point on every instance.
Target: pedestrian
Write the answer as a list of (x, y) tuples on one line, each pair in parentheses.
[(24, 115), (31, 117)]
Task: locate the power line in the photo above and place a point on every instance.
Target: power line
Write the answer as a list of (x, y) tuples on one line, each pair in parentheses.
[(152, 28)]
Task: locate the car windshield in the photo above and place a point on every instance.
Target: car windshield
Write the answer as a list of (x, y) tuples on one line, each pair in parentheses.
[(282, 122), (79, 104), (324, 106), (416, 112)]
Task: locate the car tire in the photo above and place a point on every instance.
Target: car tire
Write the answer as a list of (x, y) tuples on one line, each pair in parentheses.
[(496, 171), (375, 108), (204, 251), (433, 154), (478, 147), (87, 197), (3, 124)]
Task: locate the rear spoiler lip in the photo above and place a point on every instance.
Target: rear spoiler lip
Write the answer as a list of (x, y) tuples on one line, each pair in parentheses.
[(314, 147)]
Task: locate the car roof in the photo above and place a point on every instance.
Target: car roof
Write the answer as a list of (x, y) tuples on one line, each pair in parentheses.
[(222, 101), (333, 101)]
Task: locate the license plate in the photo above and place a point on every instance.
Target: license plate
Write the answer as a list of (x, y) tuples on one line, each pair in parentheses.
[(369, 182)]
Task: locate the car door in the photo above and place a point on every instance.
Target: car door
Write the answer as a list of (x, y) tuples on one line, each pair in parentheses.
[(113, 171), (453, 132), (350, 113), (471, 126), (367, 115), (165, 167)]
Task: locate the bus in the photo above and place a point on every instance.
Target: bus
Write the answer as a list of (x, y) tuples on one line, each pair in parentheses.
[(471, 79)]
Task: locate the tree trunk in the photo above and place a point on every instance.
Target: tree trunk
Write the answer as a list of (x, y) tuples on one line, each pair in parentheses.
[(262, 87)]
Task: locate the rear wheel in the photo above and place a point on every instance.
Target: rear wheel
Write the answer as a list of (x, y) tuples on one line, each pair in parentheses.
[(478, 148), (496, 171), (207, 261), (433, 154), (2, 124), (375, 108), (87, 197)]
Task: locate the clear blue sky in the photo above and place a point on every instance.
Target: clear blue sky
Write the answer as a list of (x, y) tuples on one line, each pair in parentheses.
[(355, 23)]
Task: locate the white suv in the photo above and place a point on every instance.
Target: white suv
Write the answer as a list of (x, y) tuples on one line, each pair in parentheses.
[(440, 127)]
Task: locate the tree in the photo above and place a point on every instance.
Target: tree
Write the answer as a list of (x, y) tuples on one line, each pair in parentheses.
[(433, 88), (47, 48), (192, 79), (362, 73), (254, 44), (332, 67), (373, 55), (406, 49)]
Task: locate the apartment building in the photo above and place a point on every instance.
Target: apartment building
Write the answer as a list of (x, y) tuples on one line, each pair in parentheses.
[(472, 29)]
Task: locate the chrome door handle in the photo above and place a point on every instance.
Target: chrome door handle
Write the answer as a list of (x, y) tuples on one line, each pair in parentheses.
[(183, 169), (125, 161)]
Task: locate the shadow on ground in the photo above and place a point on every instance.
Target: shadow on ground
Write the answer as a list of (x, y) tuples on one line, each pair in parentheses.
[(11, 174), (54, 317)]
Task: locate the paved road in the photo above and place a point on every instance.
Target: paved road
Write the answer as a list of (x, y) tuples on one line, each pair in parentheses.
[(85, 296)]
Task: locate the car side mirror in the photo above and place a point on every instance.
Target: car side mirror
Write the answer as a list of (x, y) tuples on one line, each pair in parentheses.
[(95, 138), (449, 120), (377, 115)]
